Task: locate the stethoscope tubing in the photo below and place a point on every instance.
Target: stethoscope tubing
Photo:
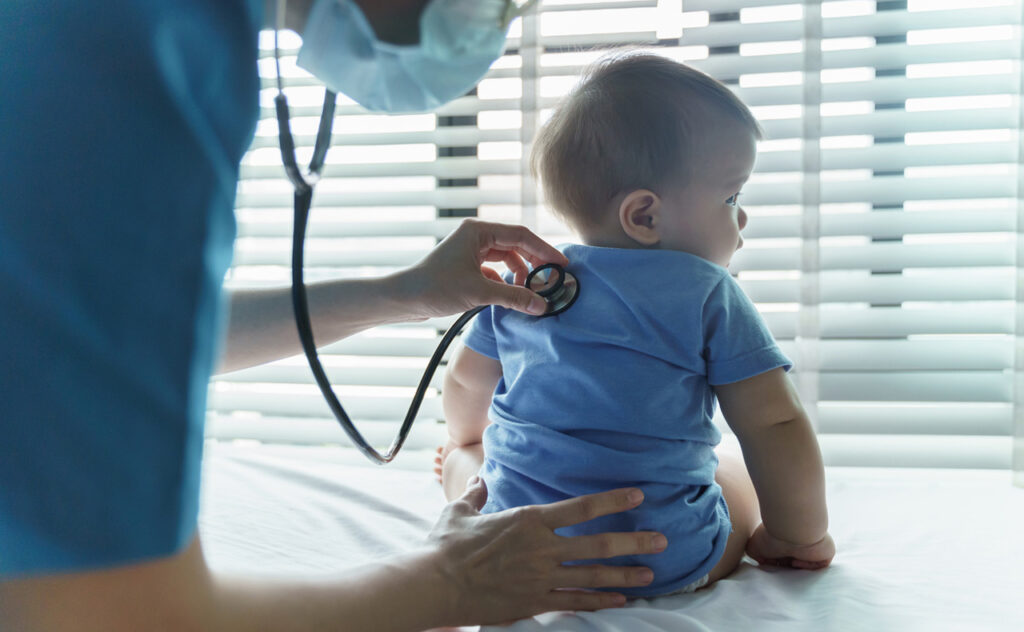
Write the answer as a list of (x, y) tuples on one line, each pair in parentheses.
[(303, 200), (300, 305)]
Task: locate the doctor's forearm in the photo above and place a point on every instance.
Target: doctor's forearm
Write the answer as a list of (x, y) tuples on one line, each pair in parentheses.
[(261, 327), (401, 594), (179, 593)]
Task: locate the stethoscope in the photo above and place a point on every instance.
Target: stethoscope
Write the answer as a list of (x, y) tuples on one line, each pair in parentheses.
[(557, 286)]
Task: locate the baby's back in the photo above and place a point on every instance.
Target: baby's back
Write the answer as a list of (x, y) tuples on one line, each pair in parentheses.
[(614, 393)]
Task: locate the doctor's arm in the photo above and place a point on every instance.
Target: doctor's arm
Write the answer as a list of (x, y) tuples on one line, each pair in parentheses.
[(451, 279), (460, 576)]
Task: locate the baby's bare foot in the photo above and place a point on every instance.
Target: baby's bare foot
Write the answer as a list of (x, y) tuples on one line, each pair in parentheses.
[(439, 464)]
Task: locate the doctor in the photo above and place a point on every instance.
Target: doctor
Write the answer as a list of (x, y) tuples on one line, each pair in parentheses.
[(121, 131)]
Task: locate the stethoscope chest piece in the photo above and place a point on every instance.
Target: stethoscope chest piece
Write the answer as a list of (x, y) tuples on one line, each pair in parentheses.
[(557, 286)]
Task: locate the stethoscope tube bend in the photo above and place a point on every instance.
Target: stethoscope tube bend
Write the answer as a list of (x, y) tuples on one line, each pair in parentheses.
[(560, 292), (302, 321)]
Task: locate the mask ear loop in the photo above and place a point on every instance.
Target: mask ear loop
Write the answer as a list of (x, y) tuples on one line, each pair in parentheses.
[(514, 10)]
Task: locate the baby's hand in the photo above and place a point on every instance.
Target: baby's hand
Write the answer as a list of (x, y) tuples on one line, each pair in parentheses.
[(767, 549)]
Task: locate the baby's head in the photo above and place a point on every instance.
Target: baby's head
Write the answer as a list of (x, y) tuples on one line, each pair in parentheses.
[(649, 153)]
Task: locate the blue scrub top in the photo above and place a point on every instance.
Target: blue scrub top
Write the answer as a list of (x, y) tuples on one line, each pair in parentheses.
[(122, 125)]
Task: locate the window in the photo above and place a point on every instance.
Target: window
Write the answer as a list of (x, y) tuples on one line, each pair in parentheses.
[(883, 248)]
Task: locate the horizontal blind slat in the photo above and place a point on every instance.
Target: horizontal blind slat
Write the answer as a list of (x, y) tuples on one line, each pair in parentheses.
[(916, 451), (425, 433), (555, 7), (443, 136), (886, 190), (722, 6), (451, 197), (882, 57), (857, 287), (880, 90), (889, 322), (896, 123), (326, 228), (880, 257), (440, 168), (933, 386), (909, 358), (248, 253), (888, 224), (881, 24), (310, 403), (892, 157), (296, 373), (946, 418), (586, 40)]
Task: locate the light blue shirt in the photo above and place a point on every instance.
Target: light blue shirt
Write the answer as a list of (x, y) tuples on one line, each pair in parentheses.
[(616, 392), (121, 130)]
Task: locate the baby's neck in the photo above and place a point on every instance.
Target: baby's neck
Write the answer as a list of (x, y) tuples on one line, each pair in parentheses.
[(610, 239)]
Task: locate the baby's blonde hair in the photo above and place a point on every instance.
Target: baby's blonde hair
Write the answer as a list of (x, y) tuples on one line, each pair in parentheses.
[(631, 123)]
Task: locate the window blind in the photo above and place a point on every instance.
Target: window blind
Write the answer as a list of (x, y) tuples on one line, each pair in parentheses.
[(883, 247)]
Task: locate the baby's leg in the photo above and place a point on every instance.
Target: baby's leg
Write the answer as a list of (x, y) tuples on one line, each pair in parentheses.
[(739, 494), (461, 464)]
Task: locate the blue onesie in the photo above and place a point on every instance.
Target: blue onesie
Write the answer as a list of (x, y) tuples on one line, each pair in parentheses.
[(121, 130), (616, 392)]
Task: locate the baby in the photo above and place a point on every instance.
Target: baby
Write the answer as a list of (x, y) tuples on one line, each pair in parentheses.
[(645, 160)]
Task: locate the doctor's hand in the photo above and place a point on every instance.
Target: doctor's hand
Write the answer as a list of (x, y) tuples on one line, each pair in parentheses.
[(453, 277), (506, 566)]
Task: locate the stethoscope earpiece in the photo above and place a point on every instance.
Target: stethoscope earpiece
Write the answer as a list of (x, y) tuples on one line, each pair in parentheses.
[(557, 286)]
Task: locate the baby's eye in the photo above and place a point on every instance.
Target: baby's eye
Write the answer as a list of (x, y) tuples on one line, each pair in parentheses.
[(733, 199)]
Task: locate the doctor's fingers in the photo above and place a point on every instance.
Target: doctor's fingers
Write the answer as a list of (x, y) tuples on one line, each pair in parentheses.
[(522, 240), (571, 599), (513, 261), (600, 576), (572, 511), (603, 545), (510, 296)]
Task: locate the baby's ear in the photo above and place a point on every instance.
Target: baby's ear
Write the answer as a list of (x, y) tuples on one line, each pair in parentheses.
[(639, 213)]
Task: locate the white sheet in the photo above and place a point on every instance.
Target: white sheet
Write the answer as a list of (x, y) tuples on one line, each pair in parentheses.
[(917, 549)]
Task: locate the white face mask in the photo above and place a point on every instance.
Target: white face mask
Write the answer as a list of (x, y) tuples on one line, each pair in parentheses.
[(459, 40)]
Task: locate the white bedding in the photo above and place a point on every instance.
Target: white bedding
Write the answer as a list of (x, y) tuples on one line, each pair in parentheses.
[(917, 549)]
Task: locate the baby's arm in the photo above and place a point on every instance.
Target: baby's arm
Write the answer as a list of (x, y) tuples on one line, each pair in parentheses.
[(468, 386), (785, 465)]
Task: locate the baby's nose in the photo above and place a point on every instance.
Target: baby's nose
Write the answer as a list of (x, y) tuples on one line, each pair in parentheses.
[(741, 218)]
